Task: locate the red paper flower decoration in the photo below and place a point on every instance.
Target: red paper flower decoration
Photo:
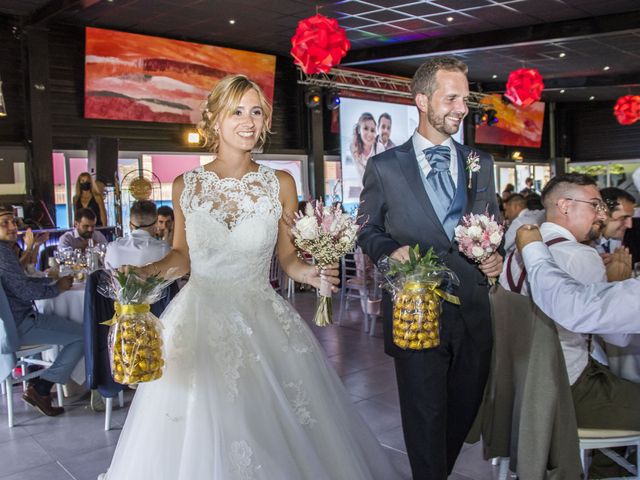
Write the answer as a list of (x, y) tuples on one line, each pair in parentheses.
[(627, 109), (524, 86), (319, 44)]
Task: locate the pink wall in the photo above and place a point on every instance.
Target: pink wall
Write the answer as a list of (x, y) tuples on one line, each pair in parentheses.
[(168, 167)]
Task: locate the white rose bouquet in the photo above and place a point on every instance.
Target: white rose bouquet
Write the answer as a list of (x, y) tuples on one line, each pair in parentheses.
[(326, 233), (479, 237)]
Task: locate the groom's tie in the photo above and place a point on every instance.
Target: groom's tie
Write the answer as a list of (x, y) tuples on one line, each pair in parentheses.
[(439, 157)]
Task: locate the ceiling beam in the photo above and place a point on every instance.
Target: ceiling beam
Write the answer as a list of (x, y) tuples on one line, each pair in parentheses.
[(624, 80), (526, 35)]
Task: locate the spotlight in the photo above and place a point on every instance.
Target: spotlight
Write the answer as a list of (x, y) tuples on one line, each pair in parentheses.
[(193, 138), (332, 100), (312, 99), (491, 119)]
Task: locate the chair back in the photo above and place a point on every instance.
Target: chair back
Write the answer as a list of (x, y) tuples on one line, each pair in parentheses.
[(98, 309), (527, 411), (8, 336)]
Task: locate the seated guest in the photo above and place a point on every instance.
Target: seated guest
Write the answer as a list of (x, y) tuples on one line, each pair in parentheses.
[(621, 205), (84, 229), (517, 214), (534, 202), (575, 213), (139, 247), (612, 306), (164, 226), (35, 328)]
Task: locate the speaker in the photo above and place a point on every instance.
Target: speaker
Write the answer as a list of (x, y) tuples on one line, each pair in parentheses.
[(103, 158)]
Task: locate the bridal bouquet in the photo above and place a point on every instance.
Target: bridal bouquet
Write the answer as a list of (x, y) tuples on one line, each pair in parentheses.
[(326, 233), (135, 344), (479, 237), (417, 297)]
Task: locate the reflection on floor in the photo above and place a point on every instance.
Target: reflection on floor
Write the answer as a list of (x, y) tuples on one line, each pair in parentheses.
[(75, 446)]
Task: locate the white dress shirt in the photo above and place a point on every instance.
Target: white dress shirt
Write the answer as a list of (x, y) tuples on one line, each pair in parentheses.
[(137, 249), (525, 217), (583, 264), (420, 143), (598, 308), (73, 239)]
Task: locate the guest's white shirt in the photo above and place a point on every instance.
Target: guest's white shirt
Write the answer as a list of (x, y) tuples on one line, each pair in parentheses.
[(598, 308), (582, 263), (525, 217), (137, 249), (73, 239), (420, 143)]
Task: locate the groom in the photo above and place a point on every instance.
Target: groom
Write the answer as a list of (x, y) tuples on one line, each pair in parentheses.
[(416, 194)]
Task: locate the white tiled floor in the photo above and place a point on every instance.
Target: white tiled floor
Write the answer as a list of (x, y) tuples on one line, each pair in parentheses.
[(75, 446)]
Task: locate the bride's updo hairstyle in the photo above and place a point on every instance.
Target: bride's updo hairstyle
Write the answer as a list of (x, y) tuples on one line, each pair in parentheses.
[(222, 101)]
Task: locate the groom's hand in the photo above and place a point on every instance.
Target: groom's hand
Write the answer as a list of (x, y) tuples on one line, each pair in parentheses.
[(401, 254), (492, 266)]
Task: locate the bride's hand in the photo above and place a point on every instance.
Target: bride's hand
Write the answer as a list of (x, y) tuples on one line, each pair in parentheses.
[(330, 274)]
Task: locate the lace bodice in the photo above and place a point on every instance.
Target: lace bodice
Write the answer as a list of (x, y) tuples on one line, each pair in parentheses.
[(231, 225)]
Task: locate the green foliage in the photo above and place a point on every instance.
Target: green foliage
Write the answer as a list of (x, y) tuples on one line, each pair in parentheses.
[(429, 263)]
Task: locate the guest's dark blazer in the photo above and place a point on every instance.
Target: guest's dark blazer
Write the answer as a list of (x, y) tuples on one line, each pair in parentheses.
[(395, 210)]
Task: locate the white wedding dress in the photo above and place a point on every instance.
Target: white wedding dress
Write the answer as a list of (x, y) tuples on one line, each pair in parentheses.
[(247, 392)]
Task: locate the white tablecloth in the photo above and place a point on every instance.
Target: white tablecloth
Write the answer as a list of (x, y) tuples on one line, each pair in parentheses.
[(69, 304)]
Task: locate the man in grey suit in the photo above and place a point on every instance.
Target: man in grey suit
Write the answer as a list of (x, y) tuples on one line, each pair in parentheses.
[(416, 194)]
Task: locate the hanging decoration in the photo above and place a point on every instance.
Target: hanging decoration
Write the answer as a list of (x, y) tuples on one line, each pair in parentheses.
[(319, 44), (524, 86), (627, 109)]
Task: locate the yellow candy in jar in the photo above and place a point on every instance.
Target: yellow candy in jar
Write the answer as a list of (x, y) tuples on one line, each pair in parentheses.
[(402, 343), (415, 345), (422, 336)]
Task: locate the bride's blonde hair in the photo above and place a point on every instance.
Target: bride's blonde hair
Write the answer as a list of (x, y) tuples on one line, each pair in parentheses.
[(223, 100)]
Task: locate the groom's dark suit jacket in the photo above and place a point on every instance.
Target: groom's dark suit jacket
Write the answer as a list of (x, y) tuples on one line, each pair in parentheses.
[(395, 210)]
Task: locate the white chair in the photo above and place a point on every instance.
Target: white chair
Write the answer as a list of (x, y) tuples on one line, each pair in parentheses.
[(374, 302), (13, 355), (605, 440), (108, 408), (353, 284)]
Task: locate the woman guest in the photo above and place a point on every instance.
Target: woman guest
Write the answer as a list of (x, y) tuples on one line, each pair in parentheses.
[(88, 196), (364, 138)]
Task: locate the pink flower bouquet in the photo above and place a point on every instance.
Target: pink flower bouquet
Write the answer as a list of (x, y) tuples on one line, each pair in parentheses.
[(326, 233), (479, 237)]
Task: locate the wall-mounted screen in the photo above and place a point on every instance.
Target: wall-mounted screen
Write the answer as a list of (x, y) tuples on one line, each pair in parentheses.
[(516, 126), (139, 77), (367, 128)]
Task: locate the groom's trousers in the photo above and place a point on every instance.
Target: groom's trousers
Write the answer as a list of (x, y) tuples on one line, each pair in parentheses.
[(440, 392)]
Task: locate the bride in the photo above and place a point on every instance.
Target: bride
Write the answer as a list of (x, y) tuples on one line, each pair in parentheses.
[(247, 392)]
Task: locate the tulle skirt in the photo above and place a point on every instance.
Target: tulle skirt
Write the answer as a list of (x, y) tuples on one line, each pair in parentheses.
[(247, 393)]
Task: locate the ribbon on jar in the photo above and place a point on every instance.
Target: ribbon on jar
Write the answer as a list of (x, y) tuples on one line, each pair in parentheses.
[(129, 309)]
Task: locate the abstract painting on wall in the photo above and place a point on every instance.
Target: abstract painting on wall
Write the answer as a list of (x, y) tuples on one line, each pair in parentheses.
[(517, 126), (152, 79)]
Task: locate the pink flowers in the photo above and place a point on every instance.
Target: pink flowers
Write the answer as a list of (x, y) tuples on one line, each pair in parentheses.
[(479, 236)]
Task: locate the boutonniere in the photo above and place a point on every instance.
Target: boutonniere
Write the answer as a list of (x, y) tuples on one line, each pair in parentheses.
[(473, 165)]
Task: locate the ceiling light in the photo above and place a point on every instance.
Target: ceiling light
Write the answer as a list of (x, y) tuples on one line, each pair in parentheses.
[(606, 68), (312, 98), (449, 19), (562, 91), (232, 21), (592, 97), (494, 76), (562, 55)]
